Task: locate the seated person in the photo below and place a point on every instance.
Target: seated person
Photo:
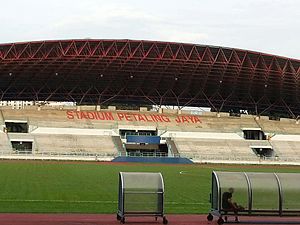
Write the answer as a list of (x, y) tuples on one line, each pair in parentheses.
[(229, 205)]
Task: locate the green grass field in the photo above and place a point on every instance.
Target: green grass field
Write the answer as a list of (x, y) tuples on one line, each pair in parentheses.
[(93, 187)]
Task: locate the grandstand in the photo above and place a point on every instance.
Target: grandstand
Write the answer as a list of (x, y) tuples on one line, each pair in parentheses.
[(113, 85), (209, 138)]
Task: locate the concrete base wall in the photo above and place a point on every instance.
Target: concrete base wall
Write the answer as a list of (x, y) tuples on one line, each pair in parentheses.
[(153, 160)]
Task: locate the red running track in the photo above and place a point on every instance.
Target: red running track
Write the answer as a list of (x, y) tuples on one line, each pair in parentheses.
[(101, 219)]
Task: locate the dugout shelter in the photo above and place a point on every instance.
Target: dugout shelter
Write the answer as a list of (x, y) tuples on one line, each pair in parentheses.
[(257, 194), (141, 194)]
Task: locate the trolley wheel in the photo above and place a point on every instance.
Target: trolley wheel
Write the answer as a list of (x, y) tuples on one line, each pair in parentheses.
[(210, 217), (165, 221), (220, 221), (118, 217), (122, 220)]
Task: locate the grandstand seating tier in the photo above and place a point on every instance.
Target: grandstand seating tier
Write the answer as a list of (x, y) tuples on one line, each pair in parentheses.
[(58, 118), (75, 143), (213, 146), (53, 131)]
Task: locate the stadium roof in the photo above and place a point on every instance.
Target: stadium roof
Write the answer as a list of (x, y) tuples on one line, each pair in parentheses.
[(149, 72)]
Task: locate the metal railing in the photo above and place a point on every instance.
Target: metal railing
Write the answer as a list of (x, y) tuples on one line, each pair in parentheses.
[(56, 155), (240, 157), (146, 154), (88, 156)]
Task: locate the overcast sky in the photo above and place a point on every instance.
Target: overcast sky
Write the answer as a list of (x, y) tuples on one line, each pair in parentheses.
[(270, 26)]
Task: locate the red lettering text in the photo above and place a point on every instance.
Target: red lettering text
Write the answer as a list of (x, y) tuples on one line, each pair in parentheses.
[(70, 115), (120, 116)]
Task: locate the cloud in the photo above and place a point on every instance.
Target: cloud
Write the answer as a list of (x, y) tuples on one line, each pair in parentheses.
[(169, 34), (107, 13), (263, 25), (115, 21)]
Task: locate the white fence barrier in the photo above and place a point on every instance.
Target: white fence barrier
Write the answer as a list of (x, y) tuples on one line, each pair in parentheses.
[(76, 156), (207, 158)]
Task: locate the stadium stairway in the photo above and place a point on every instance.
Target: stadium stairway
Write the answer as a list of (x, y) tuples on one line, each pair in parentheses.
[(119, 145), (1, 118), (5, 146), (172, 147)]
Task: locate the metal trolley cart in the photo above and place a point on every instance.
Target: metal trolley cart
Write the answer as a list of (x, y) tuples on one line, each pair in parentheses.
[(256, 194), (141, 194)]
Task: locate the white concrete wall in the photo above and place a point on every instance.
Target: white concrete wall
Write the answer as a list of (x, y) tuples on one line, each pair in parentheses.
[(73, 131), (205, 135), (133, 127), (283, 137)]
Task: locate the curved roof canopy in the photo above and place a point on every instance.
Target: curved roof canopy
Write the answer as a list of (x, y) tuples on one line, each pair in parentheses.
[(149, 72)]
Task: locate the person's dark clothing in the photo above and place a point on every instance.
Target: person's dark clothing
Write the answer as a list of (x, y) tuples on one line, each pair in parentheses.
[(226, 200), (227, 205)]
